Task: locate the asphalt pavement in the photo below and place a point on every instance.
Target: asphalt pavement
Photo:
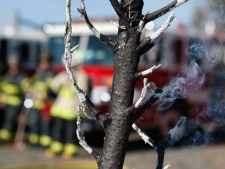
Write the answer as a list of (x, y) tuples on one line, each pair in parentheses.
[(191, 157)]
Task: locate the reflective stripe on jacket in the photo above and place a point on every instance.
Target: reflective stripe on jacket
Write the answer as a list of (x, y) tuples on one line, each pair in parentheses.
[(12, 89), (66, 103), (40, 84)]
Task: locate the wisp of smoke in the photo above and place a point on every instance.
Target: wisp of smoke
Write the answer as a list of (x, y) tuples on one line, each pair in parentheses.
[(216, 106), (197, 50), (191, 77), (200, 138), (215, 54), (221, 73), (220, 12)]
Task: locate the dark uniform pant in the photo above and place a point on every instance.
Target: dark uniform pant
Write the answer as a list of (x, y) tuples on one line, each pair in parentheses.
[(39, 128), (9, 124), (37, 124), (11, 114), (64, 130), (64, 137)]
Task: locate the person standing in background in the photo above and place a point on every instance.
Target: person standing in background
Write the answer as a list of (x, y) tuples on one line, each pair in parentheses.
[(39, 118), (12, 86), (64, 110), (1, 104)]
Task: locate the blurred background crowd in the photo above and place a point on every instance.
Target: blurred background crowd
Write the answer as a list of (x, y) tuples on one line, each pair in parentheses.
[(41, 108)]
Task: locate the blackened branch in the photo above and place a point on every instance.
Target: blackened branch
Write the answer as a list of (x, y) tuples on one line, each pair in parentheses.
[(145, 42), (81, 137), (118, 8), (143, 96), (149, 42), (177, 132), (100, 36), (141, 101), (145, 45), (85, 104), (99, 115), (144, 137), (160, 12), (160, 151), (142, 23), (89, 106), (161, 146), (147, 71), (144, 107), (67, 55), (165, 25), (164, 10)]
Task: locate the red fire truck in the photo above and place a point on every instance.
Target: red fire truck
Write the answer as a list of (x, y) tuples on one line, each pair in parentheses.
[(173, 51)]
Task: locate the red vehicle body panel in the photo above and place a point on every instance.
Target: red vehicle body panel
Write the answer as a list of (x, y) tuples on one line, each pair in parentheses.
[(100, 75)]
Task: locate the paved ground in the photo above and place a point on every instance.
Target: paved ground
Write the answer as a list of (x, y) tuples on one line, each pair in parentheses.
[(210, 157)]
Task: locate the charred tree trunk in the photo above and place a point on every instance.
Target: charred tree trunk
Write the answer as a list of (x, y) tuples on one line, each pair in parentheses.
[(118, 130), (125, 67)]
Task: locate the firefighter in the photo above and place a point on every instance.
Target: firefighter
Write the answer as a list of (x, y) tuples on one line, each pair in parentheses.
[(39, 118), (1, 104), (12, 86), (64, 110)]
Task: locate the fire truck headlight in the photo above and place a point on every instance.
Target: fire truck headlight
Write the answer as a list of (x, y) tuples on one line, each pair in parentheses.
[(28, 103), (47, 28), (100, 95), (105, 97)]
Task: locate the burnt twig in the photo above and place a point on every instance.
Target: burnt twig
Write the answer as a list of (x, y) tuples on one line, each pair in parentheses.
[(149, 42), (118, 8), (164, 10), (144, 137), (100, 36), (85, 103), (147, 72), (89, 106), (161, 146), (143, 96), (144, 107), (81, 138)]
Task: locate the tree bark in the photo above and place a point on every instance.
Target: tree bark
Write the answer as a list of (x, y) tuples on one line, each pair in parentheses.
[(119, 127), (126, 59)]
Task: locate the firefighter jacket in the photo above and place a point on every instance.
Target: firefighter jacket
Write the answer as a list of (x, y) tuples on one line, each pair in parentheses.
[(66, 103), (1, 92), (12, 89), (39, 85)]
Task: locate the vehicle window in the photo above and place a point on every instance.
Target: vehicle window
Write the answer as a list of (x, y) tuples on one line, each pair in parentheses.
[(159, 51), (3, 53), (3, 50), (98, 52), (24, 52), (178, 51), (56, 47)]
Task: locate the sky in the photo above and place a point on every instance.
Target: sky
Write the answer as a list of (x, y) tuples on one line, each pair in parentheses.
[(42, 11)]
